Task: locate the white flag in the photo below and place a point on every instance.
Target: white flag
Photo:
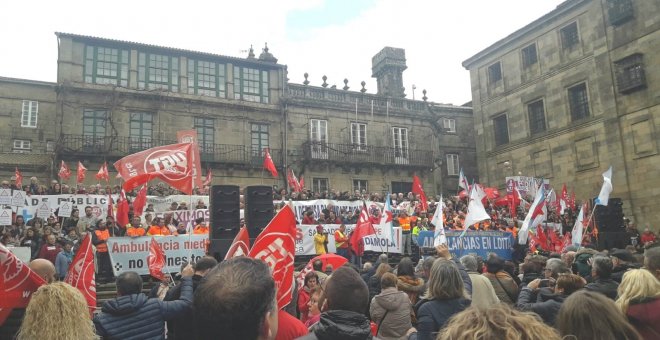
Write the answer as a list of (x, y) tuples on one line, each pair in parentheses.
[(535, 215), (578, 227), (439, 222), (607, 188), (475, 211)]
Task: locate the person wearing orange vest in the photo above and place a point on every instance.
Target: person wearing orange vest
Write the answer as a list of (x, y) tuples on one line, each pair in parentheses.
[(100, 238), (341, 242), (159, 228), (406, 231), (200, 227), (135, 228)]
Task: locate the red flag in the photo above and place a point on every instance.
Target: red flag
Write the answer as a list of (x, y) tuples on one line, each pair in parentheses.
[(190, 136), (240, 246), (103, 173), (293, 181), (541, 237), (81, 273), (209, 177), (268, 163), (170, 163), (17, 283), (122, 210), (564, 193), (276, 246), (156, 260), (555, 241), (140, 201), (362, 228), (302, 182), (19, 179), (82, 171), (566, 241), (533, 241), (417, 189), (571, 202), (64, 172)]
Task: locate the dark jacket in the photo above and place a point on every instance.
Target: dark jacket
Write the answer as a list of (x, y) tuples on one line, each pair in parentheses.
[(645, 317), (547, 309), (12, 324), (340, 324), (137, 317), (182, 327), (374, 286), (433, 315), (607, 287), (618, 271)]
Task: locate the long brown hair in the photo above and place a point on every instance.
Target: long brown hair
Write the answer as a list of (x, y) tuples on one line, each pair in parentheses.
[(590, 315)]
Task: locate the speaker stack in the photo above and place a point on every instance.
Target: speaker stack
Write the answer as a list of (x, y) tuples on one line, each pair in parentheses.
[(225, 218), (258, 208), (611, 230)]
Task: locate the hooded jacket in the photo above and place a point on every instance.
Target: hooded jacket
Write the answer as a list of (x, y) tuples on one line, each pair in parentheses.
[(397, 320), (645, 317), (341, 324), (137, 317), (547, 308)]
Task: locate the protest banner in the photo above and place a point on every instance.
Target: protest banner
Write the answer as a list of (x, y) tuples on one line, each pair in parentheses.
[(380, 242), (525, 185), (65, 209), (18, 198), (43, 210), (5, 217), (99, 204), (130, 254), (162, 203), (5, 196), (184, 216), (480, 243)]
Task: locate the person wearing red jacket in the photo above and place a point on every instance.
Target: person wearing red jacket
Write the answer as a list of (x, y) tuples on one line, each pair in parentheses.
[(647, 236), (50, 249), (311, 280)]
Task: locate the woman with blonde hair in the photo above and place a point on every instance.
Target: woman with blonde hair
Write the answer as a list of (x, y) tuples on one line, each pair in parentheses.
[(497, 321), (588, 315), (57, 311), (639, 300)]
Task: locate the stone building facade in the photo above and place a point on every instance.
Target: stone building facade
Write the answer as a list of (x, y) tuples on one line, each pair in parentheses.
[(113, 98), (570, 94)]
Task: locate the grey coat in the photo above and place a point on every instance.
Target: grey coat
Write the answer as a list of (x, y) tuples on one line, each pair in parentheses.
[(397, 321)]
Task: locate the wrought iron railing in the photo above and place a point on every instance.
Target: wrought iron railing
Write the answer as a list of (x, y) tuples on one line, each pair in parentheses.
[(365, 154)]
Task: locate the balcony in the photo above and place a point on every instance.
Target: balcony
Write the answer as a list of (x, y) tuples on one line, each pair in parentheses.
[(349, 98), (117, 147), (367, 155)]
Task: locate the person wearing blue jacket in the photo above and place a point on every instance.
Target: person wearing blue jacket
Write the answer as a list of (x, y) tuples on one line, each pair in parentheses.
[(132, 315), (63, 260)]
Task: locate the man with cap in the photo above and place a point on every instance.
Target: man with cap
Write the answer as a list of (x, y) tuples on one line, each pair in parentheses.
[(320, 241), (622, 261)]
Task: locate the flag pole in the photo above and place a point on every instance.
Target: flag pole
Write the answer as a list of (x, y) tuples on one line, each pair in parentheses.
[(584, 232)]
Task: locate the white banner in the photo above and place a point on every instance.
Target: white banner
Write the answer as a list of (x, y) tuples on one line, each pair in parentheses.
[(317, 206), (380, 242), (184, 216), (163, 203), (130, 254), (526, 185), (99, 204), (23, 253)]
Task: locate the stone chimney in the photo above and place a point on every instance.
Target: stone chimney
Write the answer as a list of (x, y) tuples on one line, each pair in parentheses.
[(387, 67)]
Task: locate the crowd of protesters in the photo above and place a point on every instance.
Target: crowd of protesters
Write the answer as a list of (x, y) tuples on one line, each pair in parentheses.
[(546, 295)]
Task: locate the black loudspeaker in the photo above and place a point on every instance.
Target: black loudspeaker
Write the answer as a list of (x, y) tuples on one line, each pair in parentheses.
[(258, 208), (225, 211), (610, 218), (609, 240)]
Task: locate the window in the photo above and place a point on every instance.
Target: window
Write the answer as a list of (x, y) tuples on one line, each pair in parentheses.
[(400, 142), (205, 134), (259, 137), (449, 125), (453, 168), (619, 11), (401, 187), (359, 136), (206, 78), (50, 146), (360, 184), (629, 74), (105, 65), (22, 145), (501, 126), (569, 36), (319, 184), (94, 127), (158, 72), (578, 101), (529, 56), (536, 113), (251, 84), (141, 130), (494, 73), (29, 113), (318, 135)]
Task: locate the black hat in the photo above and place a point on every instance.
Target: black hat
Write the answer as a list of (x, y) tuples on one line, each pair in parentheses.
[(623, 255)]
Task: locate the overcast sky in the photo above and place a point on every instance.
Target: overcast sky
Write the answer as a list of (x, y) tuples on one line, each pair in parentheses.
[(336, 38)]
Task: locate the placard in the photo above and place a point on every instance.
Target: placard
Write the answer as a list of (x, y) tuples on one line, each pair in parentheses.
[(18, 198), (5, 217), (43, 210), (65, 209), (5, 196)]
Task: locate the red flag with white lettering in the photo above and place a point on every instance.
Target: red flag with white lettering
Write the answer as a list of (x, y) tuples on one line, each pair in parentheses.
[(140, 201), (17, 283), (417, 189), (81, 273), (64, 172), (276, 246), (170, 163), (122, 210), (103, 173), (363, 228), (209, 177), (268, 163), (156, 260), (294, 185), (190, 136), (240, 246)]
